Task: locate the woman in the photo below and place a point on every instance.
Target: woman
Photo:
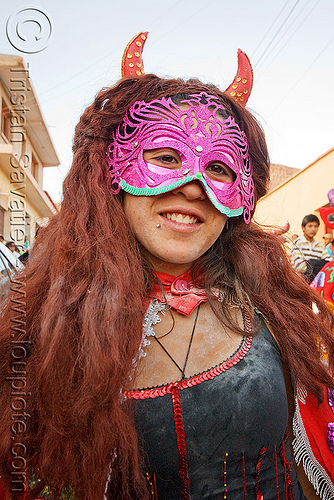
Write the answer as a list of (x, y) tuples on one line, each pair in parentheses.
[(162, 226)]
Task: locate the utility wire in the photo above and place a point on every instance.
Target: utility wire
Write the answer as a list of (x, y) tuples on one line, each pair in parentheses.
[(108, 55), (181, 23), (303, 75), (268, 30), (152, 43), (276, 34), (102, 58), (291, 36)]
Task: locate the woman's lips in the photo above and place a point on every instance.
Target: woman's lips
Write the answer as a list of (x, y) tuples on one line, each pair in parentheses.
[(180, 222), (180, 218)]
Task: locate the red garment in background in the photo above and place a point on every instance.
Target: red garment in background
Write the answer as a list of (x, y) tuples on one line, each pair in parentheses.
[(323, 283)]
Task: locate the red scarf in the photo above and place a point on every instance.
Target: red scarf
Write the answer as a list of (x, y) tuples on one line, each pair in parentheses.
[(179, 292), (313, 428)]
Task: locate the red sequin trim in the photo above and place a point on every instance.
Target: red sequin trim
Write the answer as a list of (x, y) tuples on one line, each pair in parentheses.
[(152, 486), (287, 470), (196, 379), (259, 495), (276, 475), (181, 444), (244, 475), (225, 476)]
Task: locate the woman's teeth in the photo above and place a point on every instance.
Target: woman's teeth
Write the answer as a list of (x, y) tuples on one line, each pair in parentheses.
[(182, 219)]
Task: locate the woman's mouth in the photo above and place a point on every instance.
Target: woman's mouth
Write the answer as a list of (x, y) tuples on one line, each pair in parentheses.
[(180, 218)]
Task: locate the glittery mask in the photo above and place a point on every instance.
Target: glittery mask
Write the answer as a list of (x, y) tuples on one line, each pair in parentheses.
[(202, 134)]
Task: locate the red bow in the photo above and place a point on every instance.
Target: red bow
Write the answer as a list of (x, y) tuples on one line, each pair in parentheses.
[(180, 293)]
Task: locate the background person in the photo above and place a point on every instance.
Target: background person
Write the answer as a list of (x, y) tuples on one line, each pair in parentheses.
[(8, 265), (307, 254), (327, 239), (13, 248)]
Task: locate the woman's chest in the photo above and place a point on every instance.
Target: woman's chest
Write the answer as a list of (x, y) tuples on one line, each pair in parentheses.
[(221, 419)]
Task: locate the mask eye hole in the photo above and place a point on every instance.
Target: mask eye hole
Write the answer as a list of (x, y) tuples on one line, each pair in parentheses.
[(163, 157), (218, 171)]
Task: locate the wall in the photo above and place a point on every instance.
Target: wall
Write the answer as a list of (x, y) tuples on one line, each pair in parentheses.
[(302, 194)]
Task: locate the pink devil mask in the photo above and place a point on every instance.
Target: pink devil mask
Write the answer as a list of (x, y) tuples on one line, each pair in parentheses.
[(202, 134)]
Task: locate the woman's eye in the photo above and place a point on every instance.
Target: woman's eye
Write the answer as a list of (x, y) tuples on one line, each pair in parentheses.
[(163, 157), (221, 172), (217, 169), (166, 159)]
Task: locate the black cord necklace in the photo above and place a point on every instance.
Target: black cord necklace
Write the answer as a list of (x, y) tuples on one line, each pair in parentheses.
[(188, 351), (171, 328)]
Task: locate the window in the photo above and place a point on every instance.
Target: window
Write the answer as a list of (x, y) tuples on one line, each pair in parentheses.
[(37, 228), (34, 167), (27, 228), (2, 220), (5, 121)]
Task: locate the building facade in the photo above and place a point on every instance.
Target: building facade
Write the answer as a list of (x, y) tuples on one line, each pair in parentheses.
[(303, 193), (26, 149)]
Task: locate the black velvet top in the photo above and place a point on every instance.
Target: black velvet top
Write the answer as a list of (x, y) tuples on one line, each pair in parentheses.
[(222, 434)]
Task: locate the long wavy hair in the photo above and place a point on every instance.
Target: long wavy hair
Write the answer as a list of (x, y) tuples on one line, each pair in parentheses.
[(84, 291)]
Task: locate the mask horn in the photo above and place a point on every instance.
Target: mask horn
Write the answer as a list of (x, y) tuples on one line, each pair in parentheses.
[(240, 88), (242, 84), (280, 230), (132, 62)]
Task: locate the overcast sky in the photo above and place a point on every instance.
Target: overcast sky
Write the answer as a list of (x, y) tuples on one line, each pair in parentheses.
[(290, 44)]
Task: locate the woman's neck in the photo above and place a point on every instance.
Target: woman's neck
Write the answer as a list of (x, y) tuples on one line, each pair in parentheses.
[(168, 267)]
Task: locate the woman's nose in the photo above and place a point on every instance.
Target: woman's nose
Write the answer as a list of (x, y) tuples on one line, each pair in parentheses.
[(192, 190)]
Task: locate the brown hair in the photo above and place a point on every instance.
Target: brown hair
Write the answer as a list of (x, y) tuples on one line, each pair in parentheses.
[(86, 284)]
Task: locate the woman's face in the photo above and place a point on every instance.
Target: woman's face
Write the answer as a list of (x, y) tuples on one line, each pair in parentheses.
[(177, 227), (202, 133)]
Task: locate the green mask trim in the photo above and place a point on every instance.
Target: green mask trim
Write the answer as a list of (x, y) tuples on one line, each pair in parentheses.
[(164, 189)]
